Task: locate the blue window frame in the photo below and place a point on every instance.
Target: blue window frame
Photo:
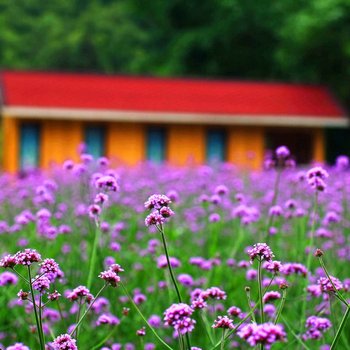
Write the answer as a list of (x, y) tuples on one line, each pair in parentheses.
[(95, 140), (216, 146), (156, 144), (29, 146)]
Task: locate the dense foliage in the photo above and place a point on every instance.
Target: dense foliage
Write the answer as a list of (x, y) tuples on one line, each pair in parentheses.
[(113, 248), (284, 40)]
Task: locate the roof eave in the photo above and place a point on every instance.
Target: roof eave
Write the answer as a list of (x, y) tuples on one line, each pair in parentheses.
[(26, 112)]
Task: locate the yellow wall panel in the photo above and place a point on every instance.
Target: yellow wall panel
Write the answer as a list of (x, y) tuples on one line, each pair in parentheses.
[(60, 141), (245, 146), (186, 144), (319, 146), (125, 142), (11, 144)]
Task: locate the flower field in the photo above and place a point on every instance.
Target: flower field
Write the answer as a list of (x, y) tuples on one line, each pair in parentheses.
[(158, 257)]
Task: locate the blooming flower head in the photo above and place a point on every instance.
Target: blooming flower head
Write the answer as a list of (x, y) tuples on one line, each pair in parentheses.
[(110, 277), (316, 326), (80, 292), (107, 319), (17, 346), (213, 293), (41, 284), (107, 183), (64, 342), (316, 178), (266, 334), (179, 317), (8, 261), (49, 265), (8, 278), (157, 201), (223, 322), (27, 257), (272, 295), (282, 152), (261, 251), (327, 286)]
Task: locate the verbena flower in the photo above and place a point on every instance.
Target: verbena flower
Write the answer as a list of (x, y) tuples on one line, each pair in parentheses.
[(110, 277), (316, 326), (316, 178), (80, 292), (27, 257), (49, 265), (326, 285), (223, 322), (261, 251), (272, 295), (179, 317), (64, 342), (157, 201), (266, 334), (17, 346)]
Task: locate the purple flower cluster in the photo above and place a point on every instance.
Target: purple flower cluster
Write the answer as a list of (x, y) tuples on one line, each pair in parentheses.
[(266, 334), (327, 286), (260, 251), (80, 293), (223, 322), (316, 178), (179, 317), (26, 257), (316, 326), (159, 205), (64, 342)]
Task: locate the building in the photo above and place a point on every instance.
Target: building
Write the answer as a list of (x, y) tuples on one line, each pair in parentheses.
[(46, 115)]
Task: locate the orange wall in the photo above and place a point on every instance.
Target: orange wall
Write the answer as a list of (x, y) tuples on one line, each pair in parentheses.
[(319, 146), (125, 142), (185, 144), (10, 143), (59, 141), (246, 146)]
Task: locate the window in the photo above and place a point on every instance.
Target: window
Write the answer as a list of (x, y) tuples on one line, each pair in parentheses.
[(95, 140), (156, 139), (29, 146), (216, 146)]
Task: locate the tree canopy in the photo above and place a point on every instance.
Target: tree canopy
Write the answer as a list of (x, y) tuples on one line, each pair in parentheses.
[(290, 40)]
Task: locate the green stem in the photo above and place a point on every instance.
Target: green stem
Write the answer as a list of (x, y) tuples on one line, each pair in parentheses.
[(42, 344), (262, 318), (87, 310), (281, 306), (144, 319), (304, 346), (340, 329), (336, 292), (308, 265), (222, 339), (93, 254), (161, 230)]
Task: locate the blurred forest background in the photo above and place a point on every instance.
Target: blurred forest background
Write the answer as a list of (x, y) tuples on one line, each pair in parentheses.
[(288, 40)]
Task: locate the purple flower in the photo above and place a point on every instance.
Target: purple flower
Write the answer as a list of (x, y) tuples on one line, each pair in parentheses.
[(41, 284), (185, 279), (316, 178), (162, 262), (178, 316), (157, 201), (27, 257), (282, 152), (326, 285), (155, 321), (154, 219), (316, 326), (223, 322), (8, 278), (64, 342), (110, 277), (80, 292), (107, 183), (107, 319), (17, 346), (266, 334), (213, 293), (261, 251), (49, 266), (272, 295)]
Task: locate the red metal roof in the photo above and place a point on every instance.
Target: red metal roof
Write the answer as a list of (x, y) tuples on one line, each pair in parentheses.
[(92, 91)]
